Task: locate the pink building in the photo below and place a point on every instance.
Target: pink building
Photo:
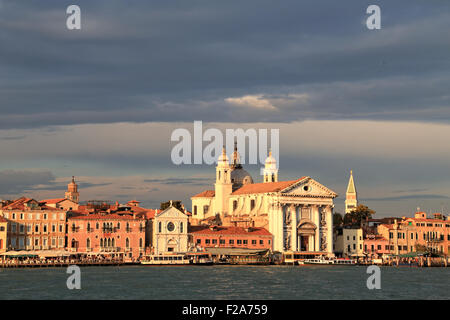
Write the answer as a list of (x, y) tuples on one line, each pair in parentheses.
[(118, 235), (230, 237), (375, 246)]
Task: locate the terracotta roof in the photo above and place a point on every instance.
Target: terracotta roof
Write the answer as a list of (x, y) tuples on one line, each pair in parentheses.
[(101, 217), (220, 230), (265, 187), (2, 219), (205, 194), (52, 201)]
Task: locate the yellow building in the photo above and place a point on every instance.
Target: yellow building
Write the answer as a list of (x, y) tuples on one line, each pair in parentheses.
[(3, 233)]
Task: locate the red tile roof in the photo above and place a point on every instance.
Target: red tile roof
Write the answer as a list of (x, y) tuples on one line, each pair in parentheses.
[(220, 230), (52, 201), (205, 194), (3, 219), (102, 217), (265, 187)]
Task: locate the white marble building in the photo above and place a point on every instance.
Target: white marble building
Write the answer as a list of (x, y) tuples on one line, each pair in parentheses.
[(298, 213), (170, 231)]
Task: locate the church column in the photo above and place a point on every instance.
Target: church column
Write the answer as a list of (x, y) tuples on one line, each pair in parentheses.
[(293, 209), (316, 219), (328, 228)]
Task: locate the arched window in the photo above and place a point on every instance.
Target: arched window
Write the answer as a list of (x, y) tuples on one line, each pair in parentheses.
[(74, 243), (88, 227), (109, 242), (159, 227), (140, 243), (88, 243), (97, 226), (252, 204), (127, 243), (101, 243), (181, 227), (118, 225), (113, 242)]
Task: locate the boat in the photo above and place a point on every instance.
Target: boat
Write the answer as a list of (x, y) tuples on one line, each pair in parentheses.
[(176, 259), (325, 261)]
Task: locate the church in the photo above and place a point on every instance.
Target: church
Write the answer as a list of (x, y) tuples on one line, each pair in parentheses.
[(298, 213)]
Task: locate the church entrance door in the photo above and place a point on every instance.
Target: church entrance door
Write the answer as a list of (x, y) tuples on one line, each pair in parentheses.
[(304, 243)]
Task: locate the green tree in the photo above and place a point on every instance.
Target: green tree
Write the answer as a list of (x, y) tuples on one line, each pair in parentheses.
[(337, 219), (357, 216)]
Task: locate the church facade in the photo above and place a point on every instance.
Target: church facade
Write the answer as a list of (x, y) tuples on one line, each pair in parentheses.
[(298, 213)]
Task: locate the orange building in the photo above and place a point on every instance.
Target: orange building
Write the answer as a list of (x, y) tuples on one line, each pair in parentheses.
[(34, 226), (230, 237), (417, 234), (3, 234), (120, 235)]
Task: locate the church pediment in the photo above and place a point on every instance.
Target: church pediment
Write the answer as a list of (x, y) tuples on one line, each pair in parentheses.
[(171, 212), (309, 187)]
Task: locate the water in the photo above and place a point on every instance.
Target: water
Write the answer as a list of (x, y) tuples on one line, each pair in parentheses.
[(226, 282)]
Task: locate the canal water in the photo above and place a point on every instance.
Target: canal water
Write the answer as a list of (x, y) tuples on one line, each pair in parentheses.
[(226, 282)]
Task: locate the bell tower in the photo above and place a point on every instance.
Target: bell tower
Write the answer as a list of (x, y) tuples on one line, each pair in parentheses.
[(223, 185), (270, 169), (72, 191), (351, 199)]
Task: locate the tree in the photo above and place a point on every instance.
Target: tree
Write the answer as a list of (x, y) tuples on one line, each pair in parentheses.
[(357, 216), (337, 219)]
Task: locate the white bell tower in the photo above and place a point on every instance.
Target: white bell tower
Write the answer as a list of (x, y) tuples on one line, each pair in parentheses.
[(223, 185)]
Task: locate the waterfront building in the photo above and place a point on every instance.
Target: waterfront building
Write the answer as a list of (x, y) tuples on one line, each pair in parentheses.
[(298, 213), (102, 233), (351, 197), (417, 234), (170, 231), (349, 242), (3, 234), (376, 246), (230, 237), (34, 226)]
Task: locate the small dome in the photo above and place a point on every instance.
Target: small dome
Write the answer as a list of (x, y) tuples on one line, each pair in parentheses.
[(271, 162)]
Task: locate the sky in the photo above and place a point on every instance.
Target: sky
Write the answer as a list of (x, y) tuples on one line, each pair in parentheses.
[(101, 103)]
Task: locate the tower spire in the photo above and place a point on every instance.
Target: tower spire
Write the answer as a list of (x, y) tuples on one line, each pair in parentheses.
[(351, 199)]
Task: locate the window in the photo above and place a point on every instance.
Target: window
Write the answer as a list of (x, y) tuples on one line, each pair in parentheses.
[(181, 227), (127, 243), (254, 242), (88, 243), (53, 228), (222, 241), (214, 241), (159, 227), (140, 243), (207, 241), (199, 241), (13, 227), (261, 242), (245, 241), (239, 242), (195, 210), (231, 241), (252, 204)]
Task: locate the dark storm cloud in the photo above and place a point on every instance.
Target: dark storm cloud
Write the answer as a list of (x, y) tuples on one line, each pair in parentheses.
[(18, 181), (179, 60)]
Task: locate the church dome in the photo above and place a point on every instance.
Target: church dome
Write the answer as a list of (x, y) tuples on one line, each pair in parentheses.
[(240, 177)]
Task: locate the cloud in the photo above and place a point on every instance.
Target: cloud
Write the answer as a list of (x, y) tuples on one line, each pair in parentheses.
[(411, 196), (178, 181), (181, 61), (18, 181), (249, 101)]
